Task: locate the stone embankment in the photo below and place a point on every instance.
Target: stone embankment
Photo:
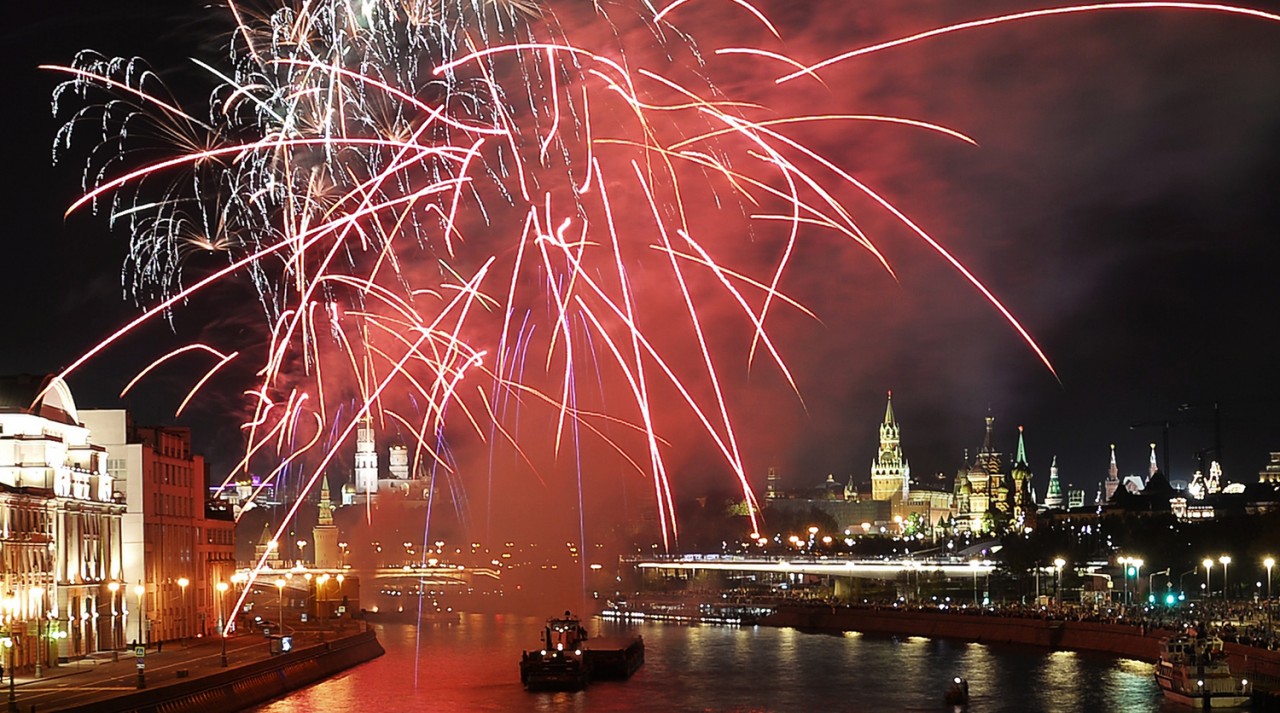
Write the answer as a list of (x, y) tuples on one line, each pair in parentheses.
[(242, 687), (1124, 640)]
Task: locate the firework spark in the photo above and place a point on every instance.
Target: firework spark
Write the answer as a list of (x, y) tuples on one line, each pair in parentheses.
[(470, 206)]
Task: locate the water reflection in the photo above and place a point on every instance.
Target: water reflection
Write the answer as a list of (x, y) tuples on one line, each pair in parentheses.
[(473, 666)]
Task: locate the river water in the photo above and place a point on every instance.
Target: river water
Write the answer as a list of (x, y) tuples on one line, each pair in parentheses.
[(472, 665)]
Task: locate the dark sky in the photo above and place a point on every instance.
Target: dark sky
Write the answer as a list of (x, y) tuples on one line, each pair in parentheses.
[(1121, 202)]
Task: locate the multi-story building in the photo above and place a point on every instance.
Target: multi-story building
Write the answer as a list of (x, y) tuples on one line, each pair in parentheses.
[(60, 526), (175, 549)]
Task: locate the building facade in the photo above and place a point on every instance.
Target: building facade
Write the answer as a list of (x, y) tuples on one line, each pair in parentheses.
[(176, 549), (60, 526)]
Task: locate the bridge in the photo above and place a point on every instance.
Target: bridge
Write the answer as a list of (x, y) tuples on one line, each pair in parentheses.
[(857, 568)]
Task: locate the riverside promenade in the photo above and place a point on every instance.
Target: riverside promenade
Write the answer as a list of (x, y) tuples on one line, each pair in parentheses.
[(189, 675)]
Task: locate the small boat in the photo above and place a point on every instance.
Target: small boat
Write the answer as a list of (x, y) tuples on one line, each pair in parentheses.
[(957, 693), (559, 665), (1193, 671)]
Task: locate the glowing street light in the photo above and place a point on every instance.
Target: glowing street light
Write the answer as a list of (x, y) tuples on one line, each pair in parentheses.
[(222, 625), (1057, 584), (1225, 560), (1124, 571), (973, 564), (142, 613), (1269, 563), (1208, 585), (183, 582), (42, 646), (280, 590), (10, 609), (114, 587)]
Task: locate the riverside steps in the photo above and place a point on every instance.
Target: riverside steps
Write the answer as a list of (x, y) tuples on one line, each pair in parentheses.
[(190, 677)]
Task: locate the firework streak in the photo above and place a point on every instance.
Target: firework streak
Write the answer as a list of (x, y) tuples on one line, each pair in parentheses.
[(455, 211)]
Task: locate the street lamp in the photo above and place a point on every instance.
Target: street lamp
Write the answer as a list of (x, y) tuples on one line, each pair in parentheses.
[(142, 613), (1137, 575), (113, 587), (302, 546), (1208, 584), (183, 582), (13, 700), (222, 625), (1225, 560), (10, 608), (320, 582), (1269, 563), (1057, 584), (973, 564), (280, 590), (1124, 571), (41, 650)]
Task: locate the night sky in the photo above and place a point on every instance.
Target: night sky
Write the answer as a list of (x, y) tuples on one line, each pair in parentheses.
[(1121, 202)]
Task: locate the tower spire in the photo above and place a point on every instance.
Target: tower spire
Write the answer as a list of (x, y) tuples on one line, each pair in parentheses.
[(1022, 450), (1152, 467), (888, 411), (326, 503)]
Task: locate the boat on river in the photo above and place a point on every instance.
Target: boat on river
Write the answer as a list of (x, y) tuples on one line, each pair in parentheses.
[(559, 665), (567, 661), (1194, 671)]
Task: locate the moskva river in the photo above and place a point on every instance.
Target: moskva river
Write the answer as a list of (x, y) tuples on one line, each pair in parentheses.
[(473, 665)]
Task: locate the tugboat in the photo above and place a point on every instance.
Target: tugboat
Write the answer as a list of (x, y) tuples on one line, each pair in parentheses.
[(559, 665), (1193, 671)]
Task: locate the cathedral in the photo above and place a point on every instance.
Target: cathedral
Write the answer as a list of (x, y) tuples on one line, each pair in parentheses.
[(989, 500)]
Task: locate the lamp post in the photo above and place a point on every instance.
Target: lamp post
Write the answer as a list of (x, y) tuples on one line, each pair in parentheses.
[(280, 591), (973, 564), (10, 608), (13, 695), (113, 587), (1057, 582), (183, 582), (140, 590), (320, 582), (1208, 584), (1124, 572), (1225, 560), (222, 625), (1269, 563), (41, 650), (1136, 562), (302, 547)]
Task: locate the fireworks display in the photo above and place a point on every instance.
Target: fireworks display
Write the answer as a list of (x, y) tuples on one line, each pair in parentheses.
[(501, 222)]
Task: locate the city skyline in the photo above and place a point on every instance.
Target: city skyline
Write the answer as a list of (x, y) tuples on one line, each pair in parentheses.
[(1118, 203)]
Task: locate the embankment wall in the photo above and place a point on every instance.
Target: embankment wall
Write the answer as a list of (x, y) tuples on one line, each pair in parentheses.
[(1117, 639), (245, 686)]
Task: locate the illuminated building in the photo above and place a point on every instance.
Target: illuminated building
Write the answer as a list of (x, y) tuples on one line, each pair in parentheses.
[(890, 473), (1112, 484), (1271, 472), (366, 460), (170, 536), (324, 537), (1053, 499), (1021, 507), (60, 519), (988, 500)]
